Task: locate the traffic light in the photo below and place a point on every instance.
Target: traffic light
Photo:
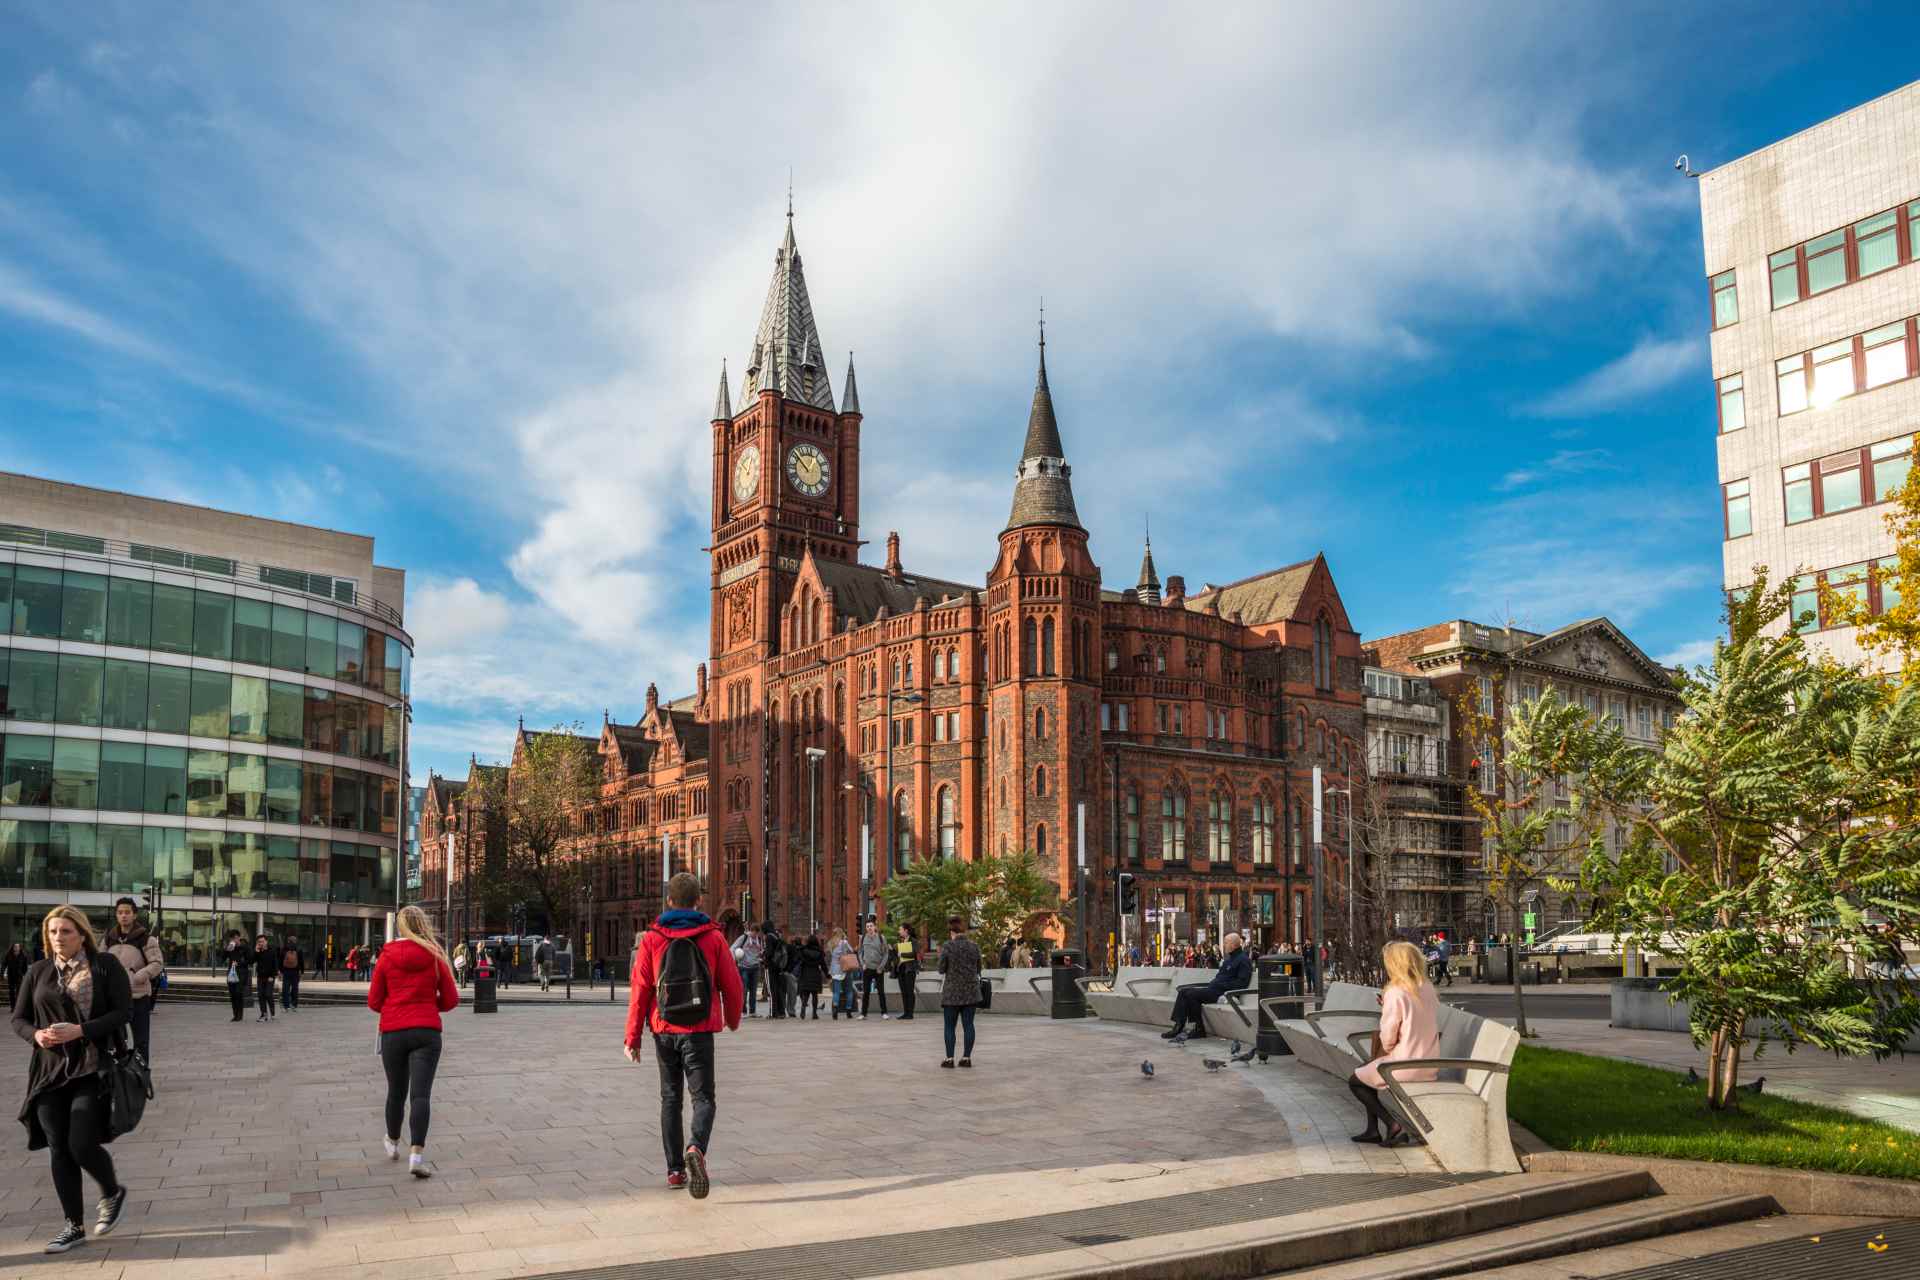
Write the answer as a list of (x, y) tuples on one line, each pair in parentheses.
[(1129, 894), (153, 899)]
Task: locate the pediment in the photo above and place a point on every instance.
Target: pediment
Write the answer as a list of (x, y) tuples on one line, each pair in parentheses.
[(1597, 650)]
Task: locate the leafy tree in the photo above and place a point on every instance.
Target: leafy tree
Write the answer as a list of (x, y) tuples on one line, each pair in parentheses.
[(538, 800), (1019, 898), (1774, 847), (1533, 830), (1003, 897), (1895, 632)]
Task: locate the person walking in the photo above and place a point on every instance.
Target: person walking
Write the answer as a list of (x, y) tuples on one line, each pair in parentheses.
[(292, 961), (747, 950), (774, 960), (71, 1007), (543, 963), (1409, 1028), (460, 966), (239, 958), (266, 967), (906, 971), (685, 988), (843, 962), (876, 958), (810, 974), (960, 993), (138, 952), (15, 966), (411, 986)]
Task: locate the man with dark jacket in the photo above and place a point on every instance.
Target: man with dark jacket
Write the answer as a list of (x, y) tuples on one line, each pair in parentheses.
[(685, 1049), (1236, 971)]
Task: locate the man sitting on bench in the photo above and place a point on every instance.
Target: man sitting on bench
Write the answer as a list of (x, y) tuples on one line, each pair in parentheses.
[(1236, 971)]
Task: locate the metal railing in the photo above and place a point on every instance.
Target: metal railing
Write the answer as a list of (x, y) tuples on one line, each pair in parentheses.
[(336, 590)]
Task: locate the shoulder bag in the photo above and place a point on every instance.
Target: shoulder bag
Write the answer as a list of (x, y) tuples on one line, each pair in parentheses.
[(128, 1085)]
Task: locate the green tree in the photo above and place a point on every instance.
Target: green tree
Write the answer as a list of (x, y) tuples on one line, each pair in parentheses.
[(554, 776), (1893, 633), (1019, 898), (1773, 847), (1002, 897)]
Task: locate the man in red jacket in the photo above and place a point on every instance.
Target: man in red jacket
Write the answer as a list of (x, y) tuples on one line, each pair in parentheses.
[(685, 1052)]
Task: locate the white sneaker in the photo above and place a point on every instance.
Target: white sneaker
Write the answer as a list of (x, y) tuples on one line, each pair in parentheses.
[(393, 1148), (886, 1017), (417, 1165), (863, 1017)]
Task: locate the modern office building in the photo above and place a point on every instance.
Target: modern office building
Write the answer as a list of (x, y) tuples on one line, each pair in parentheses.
[(1812, 246), (206, 703)]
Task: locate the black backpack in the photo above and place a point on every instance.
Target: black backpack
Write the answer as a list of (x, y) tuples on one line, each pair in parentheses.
[(683, 988)]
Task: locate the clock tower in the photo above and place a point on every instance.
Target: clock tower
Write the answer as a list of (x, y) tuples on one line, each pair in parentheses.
[(786, 477)]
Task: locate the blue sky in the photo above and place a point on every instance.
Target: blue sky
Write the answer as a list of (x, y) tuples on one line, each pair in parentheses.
[(1413, 285)]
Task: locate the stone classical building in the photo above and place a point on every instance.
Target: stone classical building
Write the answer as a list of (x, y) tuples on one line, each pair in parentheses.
[(1434, 873), (853, 717)]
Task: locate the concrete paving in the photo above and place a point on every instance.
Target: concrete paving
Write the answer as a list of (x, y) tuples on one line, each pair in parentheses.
[(261, 1154)]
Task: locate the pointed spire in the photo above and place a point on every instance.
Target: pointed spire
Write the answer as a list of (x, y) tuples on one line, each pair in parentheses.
[(849, 394), (788, 338), (1043, 491), (1149, 588), (722, 406)]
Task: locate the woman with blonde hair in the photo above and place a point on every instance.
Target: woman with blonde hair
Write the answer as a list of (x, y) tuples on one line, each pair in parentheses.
[(71, 1007), (412, 986), (1409, 1028)]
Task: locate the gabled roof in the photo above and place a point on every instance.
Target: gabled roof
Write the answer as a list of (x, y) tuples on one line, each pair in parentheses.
[(786, 355), (636, 749), (1266, 597), (1536, 649), (691, 731), (860, 591)]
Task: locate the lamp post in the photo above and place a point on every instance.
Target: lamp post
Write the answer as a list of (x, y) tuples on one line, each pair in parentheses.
[(1347, 791), (814, 756), (893, 856), (865, 788)]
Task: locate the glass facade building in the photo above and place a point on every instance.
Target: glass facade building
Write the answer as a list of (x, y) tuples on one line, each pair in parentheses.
[(228, 734)]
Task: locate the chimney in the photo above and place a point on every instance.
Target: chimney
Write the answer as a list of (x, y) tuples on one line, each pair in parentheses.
[(1176, 591), (653, 698), (893, 553), (700, 681)]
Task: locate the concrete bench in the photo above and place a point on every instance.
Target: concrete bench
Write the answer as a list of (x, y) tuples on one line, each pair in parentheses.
[(1326, 1038), (1142, 993), (1024, 991), (1463, 1114)]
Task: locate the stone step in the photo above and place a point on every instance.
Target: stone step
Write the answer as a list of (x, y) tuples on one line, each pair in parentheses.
[(1758, 1249), (1564, 1235)]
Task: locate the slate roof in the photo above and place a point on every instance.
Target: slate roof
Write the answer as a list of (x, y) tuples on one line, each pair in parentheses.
[(786, 348), (1266, 597), (636, 749), (693, 733), (859, 591), (1043, 486), (1149, 585)]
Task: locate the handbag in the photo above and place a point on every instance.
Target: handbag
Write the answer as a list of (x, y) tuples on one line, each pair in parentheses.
[(128, 1085), (849, 962), (986, 993)]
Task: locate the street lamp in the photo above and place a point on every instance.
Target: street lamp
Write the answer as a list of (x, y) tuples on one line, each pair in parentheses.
[(814, 756), (865, 788), (893, 857), (1347, 791)]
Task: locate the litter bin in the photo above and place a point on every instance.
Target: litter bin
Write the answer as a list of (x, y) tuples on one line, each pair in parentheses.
[(1281, 977), (1069, 1001), (485, 990)]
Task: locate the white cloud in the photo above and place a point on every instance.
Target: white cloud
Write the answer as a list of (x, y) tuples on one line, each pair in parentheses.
[(1691, 654), (453, 616), (1564, 462), (1653, 365)]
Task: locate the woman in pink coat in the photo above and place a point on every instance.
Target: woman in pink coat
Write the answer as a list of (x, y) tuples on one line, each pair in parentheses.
[(1409, 1028)]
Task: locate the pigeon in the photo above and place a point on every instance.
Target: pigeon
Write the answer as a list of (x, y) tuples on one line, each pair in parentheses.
[(1693, 1077), (1755, 1086), (1212, 1064), (1146, 1069), (1234, 1050)]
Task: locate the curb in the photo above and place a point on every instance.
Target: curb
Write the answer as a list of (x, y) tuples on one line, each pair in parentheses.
[(1793, 1190)]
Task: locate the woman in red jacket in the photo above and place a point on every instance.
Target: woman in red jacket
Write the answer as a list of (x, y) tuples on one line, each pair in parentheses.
[(412, 986)]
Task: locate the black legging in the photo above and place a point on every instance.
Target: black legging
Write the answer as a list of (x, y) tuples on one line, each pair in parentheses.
[(74, 1118), (265, 982), (907, 975), (237, 996), (810, 1000), (1379, 1119), (410, 1057)]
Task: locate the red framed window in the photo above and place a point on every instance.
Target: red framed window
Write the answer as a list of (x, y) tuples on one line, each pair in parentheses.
[(1726, 300), (1736, 500), (1842, 482), (1732, 398), (1874, 244), (1819, 598), (1817, 378)]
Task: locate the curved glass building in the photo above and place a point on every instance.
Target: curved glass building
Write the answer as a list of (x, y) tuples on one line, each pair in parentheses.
[(206, 703)]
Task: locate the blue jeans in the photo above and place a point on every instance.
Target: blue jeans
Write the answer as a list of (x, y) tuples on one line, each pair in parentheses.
[(842, 995), (962, 1013), (750, 979)]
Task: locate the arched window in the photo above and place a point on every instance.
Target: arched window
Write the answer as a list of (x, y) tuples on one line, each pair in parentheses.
[(949, 828), (1046, 647), (1296, 837), (953, 664), (1262, 830), (1319, 739), (1029, 645), (1160, 661), (1173, 825), (1300, 730), (1040, 840), (896, 673), (1040, 723), (939, 666), (902, 831), (1220, 827), (1322, 653), (1040, 780), (820, 625), (1133, 824), (1113, 658), (909, 673)]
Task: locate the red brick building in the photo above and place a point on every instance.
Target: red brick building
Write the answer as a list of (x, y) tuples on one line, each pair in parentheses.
[(861, 715)]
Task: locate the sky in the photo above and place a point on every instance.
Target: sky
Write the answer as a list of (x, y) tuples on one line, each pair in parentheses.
[(1415, 286)]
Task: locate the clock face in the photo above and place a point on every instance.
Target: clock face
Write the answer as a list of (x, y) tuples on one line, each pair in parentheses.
[(808, 471), (746, 473)]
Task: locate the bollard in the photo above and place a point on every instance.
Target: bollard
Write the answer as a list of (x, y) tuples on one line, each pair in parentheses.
[(1069, 1001), (485, 992), (1280, 978)]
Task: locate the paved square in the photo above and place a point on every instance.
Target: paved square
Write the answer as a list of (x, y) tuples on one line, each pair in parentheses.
[(261, 1155)]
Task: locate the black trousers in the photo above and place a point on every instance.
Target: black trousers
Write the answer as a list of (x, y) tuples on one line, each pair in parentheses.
[(686, 1066), (410, 1058), (869, 979), (74, 1118), (906, 976), (1186, 1006), (289, 988), (1379, 1119), (141, 1014), (265, 989), (237, 996)]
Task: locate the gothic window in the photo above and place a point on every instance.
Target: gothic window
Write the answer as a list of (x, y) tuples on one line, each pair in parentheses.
[(949, 827), (939, 666), (1300, 730), (1040, 723), (1133, 824), (1319, 739), (1113, 658), (1046, 647), (1040, 780), (1029, 642), (1262, 830), (1173, 825), (1220, 827), (1040, 840), (1296, 837), (902, 831), (1322, 653), (896, 673), (953, 664), (909, 673), (1160, 661)]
